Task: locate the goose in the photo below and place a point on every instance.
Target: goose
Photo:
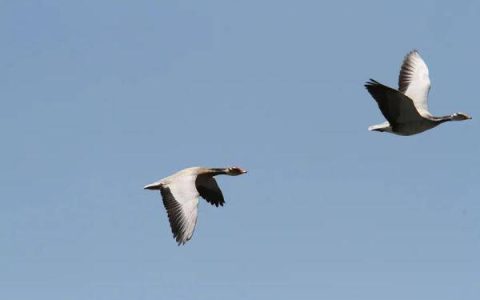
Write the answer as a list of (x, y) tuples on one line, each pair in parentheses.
[(406, 109), (180, 193)]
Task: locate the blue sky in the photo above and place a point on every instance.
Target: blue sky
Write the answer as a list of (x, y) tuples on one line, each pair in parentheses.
[(100, 98)]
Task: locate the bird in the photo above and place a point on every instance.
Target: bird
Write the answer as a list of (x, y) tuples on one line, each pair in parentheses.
[(406, 109), (180, 193)]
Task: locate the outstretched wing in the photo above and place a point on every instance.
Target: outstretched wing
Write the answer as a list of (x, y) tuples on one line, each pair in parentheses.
[(395, 106), (180, 199), (414, 81), (208, 188)]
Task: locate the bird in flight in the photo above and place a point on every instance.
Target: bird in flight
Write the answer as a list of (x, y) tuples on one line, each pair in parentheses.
[(180, 193), (406, 109)]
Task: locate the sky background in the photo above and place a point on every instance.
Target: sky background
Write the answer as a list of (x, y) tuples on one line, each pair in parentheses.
[(99, 98)]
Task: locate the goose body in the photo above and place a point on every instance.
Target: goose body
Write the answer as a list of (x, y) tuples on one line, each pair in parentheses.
[(180, 193), (406, 109)]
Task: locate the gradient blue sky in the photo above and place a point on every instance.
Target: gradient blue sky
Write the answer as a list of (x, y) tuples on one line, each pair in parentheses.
[(99, 98)]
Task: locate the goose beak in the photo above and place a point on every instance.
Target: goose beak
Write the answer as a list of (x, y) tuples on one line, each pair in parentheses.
[(242, 171)]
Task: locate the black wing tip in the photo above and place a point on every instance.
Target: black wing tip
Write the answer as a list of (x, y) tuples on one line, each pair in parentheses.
[(180, 242), (180, 239), (371, 82)]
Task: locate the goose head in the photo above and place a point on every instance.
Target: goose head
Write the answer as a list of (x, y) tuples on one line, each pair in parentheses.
[(235, 171), (460, 117)]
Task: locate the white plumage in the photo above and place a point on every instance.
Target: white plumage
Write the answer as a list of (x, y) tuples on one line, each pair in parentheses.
[(414, 81), (180, 193)]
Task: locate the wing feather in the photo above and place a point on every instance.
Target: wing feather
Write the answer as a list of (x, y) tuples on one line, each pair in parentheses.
[(414, 81), (208, 188), (395, 106), (180, 199)]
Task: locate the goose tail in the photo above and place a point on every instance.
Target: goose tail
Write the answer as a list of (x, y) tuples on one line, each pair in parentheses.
[(380, 127), (153, 186)]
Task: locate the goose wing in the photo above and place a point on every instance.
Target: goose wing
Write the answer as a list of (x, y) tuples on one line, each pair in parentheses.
[(208, 188), (395, 106), (414, 81), (180, 199)]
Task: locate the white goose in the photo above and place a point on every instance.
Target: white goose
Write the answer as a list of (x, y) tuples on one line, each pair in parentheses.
[(180, 193), (406, 110)]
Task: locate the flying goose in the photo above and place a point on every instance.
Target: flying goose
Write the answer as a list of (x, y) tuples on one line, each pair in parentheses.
[(406, 110), (180, 193)]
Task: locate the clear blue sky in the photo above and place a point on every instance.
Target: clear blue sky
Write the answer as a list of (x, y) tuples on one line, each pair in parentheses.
[(99, 98)]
